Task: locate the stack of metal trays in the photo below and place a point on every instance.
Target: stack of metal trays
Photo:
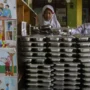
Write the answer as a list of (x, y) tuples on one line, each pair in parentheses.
[(55, 62), (32, 52), (65, 68), (84, 57)]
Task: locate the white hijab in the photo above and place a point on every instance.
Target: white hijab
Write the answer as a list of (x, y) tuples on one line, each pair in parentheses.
[(53, 22)]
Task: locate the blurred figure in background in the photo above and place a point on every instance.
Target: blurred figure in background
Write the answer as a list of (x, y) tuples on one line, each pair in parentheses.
[(83, 29)]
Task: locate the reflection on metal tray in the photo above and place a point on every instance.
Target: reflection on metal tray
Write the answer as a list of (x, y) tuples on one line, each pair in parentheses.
[(57, 61)]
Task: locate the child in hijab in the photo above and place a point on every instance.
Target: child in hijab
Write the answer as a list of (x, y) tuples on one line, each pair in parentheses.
[(48, 17)]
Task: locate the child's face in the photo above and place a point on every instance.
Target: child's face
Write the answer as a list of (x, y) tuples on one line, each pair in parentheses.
[(47, 14), (7, 85), (6, 7)]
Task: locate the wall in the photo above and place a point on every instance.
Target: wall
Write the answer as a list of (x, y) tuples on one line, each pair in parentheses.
[(79, 12), (72, 14)]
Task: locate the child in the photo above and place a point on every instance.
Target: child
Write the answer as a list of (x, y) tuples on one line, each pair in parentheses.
[(7, 62), (7, 86), (48, 17), (7, 12)]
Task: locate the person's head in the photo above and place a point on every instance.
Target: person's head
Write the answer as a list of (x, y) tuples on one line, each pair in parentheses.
[(48, 17), (7, 84), (7, 6), (47, 12)]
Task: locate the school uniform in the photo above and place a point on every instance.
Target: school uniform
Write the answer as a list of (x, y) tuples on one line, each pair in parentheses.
[(83, 29)]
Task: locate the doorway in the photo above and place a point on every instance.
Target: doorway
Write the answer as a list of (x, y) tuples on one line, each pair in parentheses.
[(85, 11)]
